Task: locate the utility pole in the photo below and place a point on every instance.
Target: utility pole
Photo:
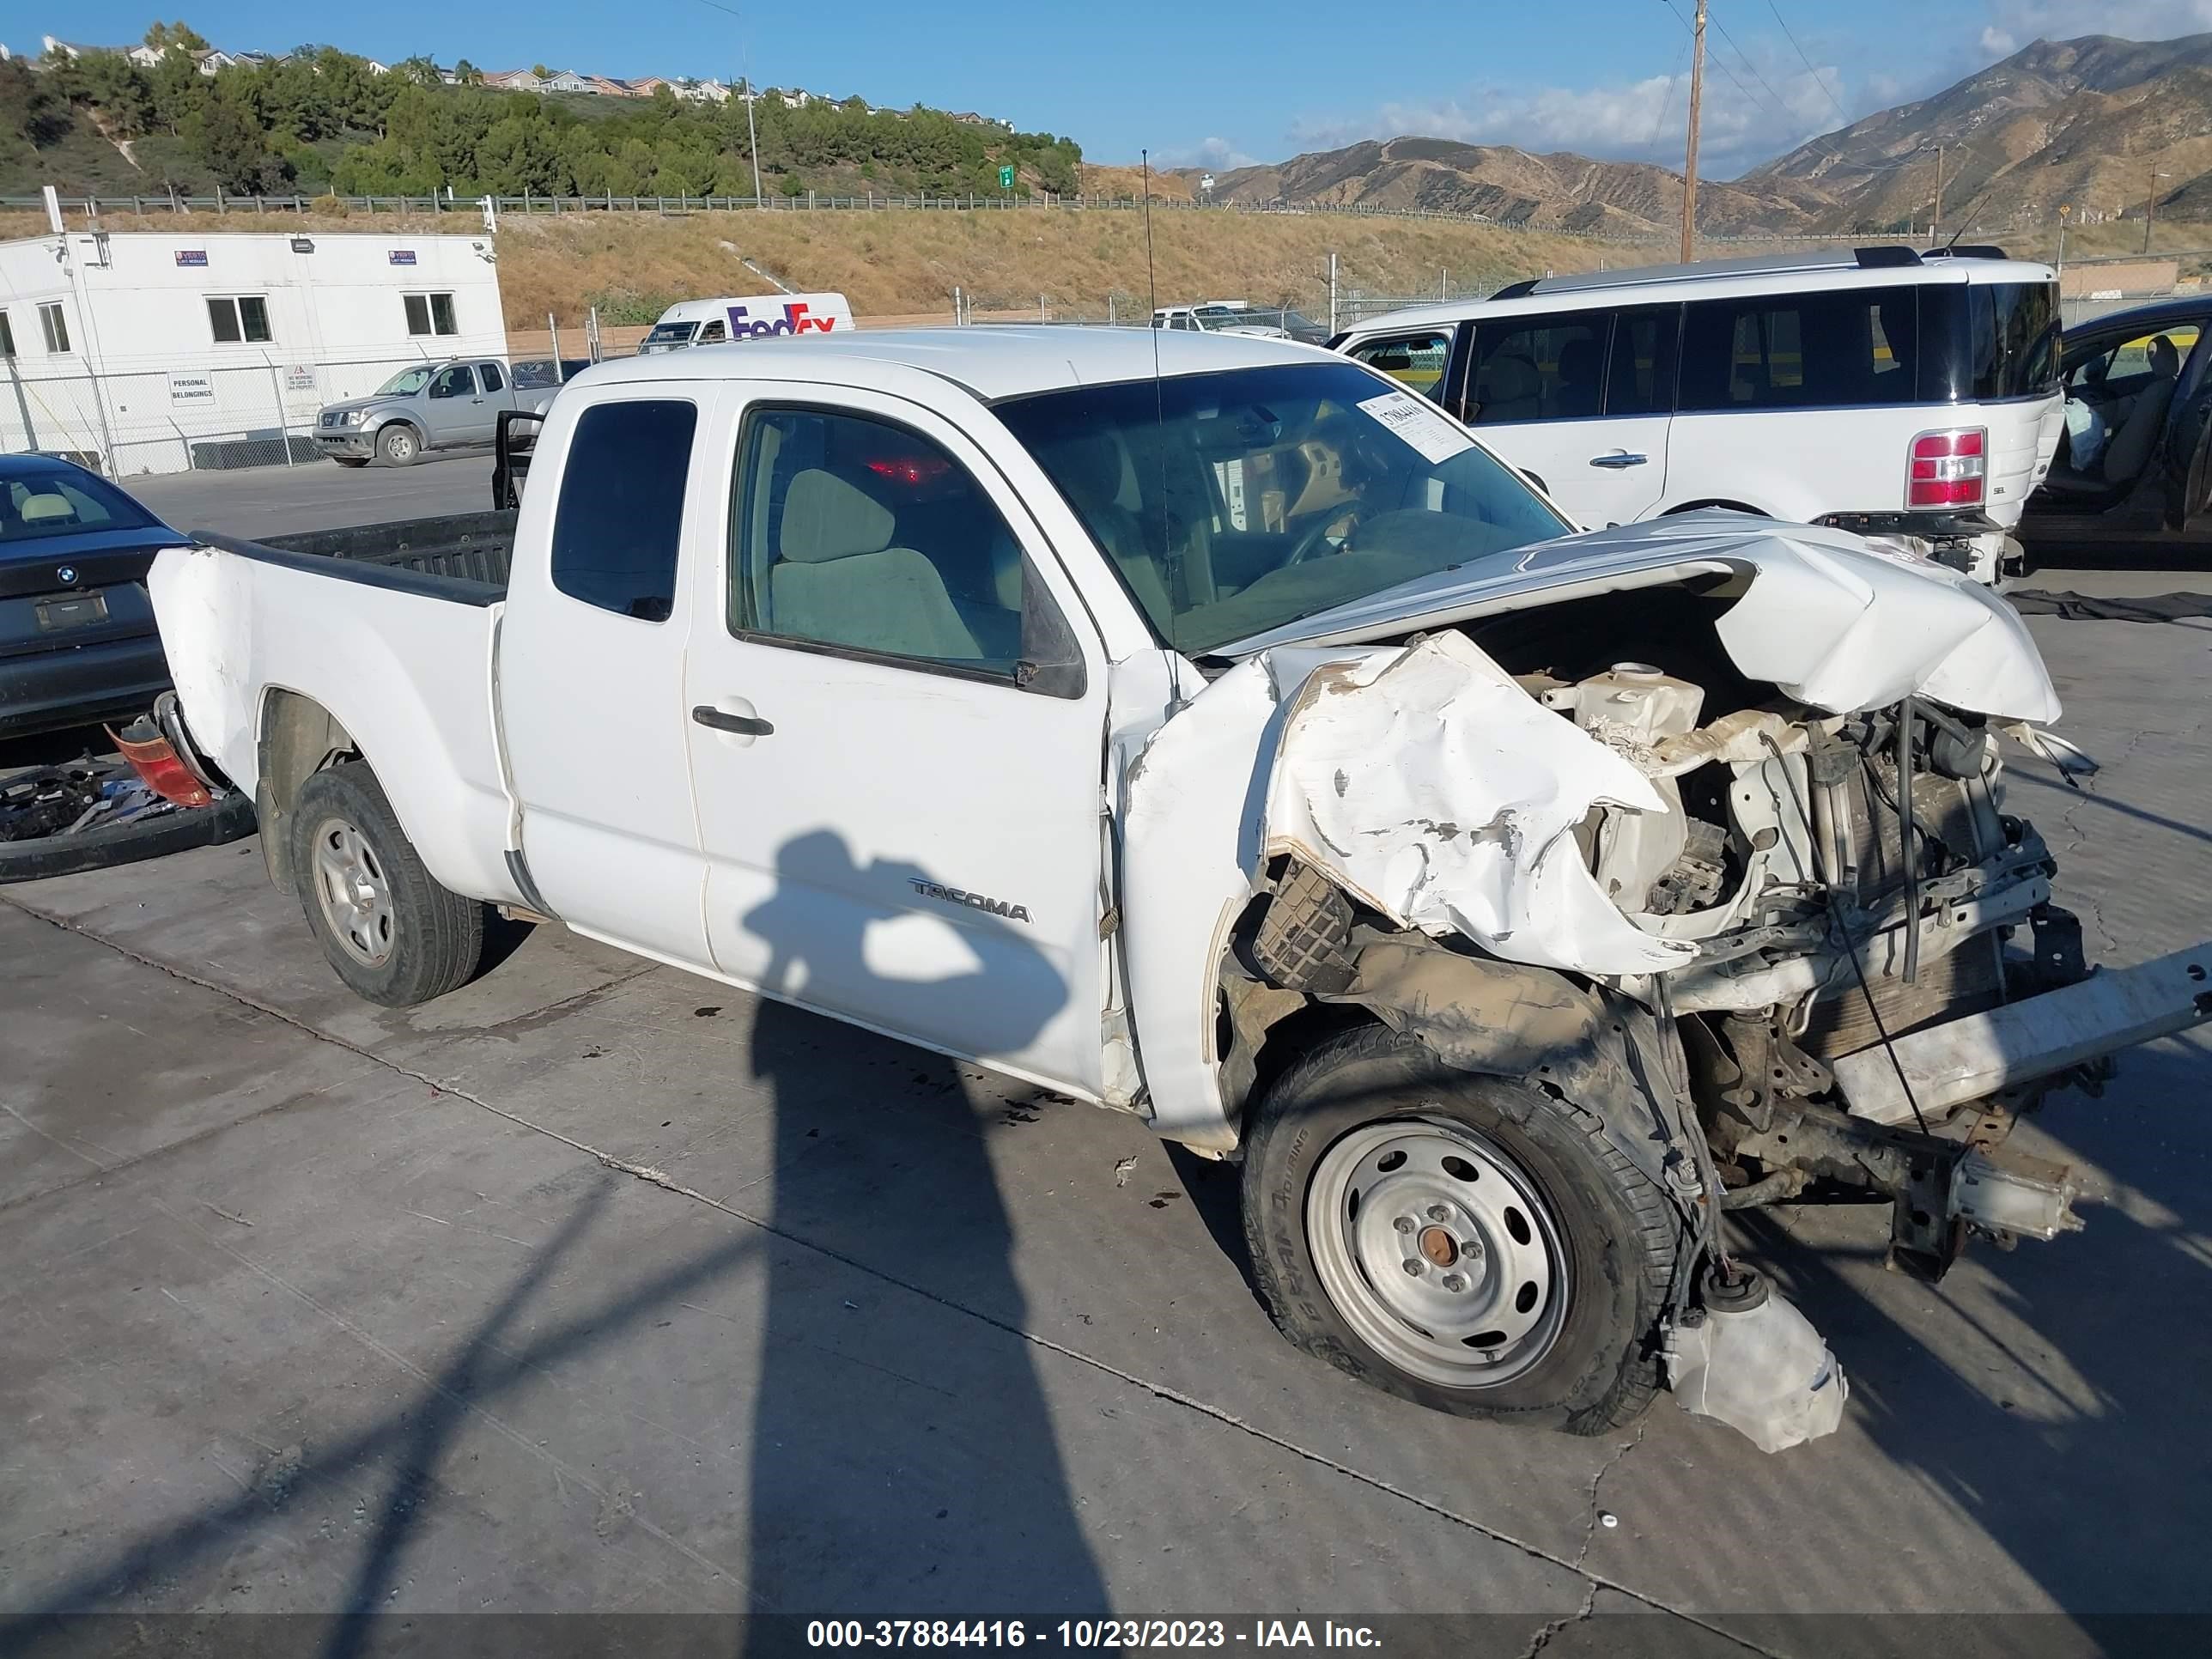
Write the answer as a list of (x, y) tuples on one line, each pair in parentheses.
[(2150, 204), (1690, 159), (1934, 235), (752, 136)]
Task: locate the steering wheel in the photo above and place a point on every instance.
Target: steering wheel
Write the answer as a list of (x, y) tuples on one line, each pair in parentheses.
[(1316, 538)]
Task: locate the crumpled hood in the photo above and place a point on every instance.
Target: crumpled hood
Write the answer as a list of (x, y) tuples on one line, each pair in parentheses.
[(1835, 621)]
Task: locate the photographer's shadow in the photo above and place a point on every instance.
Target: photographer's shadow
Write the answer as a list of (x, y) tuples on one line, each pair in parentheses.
[(903, 1458)]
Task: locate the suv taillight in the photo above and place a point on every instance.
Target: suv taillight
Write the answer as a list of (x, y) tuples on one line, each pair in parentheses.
[(1948, 468)]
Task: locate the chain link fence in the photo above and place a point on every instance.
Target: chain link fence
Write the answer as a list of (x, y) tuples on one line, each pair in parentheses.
[(148, 416)]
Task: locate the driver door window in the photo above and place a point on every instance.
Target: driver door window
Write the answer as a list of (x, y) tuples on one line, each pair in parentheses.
[(455, 382), (853, 535)]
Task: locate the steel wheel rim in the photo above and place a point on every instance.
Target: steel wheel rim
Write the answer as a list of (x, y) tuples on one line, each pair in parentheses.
[(400, 446), (353, 892), (1439, 1252)]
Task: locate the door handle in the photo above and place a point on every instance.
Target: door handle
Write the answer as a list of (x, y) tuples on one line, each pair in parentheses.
[(1619, 458), (745, 725)]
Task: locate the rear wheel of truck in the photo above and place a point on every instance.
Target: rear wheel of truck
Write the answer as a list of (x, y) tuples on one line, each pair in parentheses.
[(399, 445), (1467, 1242), (394, 933)]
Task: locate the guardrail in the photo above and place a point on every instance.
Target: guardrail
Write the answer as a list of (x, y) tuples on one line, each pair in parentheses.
[(876, 202)]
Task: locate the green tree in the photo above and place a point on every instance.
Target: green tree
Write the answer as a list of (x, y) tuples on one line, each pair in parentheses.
[(541, 71), (468, 74), (31, 109), (176, 37), (230, 140)]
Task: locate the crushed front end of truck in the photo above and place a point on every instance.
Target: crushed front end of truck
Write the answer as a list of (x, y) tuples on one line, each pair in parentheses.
[(1716, 849)]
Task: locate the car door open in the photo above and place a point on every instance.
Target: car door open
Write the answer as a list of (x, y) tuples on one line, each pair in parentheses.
[(894, 740)]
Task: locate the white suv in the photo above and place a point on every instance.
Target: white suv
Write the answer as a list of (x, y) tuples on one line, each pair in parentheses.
[(1894, 393)]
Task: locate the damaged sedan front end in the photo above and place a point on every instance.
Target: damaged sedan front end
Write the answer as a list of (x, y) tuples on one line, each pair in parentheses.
[(1696, 832)]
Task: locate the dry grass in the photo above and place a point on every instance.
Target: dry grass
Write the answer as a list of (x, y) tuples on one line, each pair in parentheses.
[(906, 263)]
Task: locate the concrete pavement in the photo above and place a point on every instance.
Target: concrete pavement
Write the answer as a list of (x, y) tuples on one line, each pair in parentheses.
[(318, 495)]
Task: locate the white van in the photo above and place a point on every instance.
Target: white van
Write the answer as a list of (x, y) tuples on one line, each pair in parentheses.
[(1890, 392), (746, 316)]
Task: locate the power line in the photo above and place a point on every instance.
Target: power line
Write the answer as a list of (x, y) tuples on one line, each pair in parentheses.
[(1809, 70), (1781, 108), (1666, 102), (1721, 64)]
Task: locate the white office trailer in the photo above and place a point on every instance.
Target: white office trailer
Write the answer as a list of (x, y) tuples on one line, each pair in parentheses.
[(163, 351)]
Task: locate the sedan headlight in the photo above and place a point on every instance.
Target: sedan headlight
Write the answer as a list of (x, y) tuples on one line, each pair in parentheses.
[(350, 417)]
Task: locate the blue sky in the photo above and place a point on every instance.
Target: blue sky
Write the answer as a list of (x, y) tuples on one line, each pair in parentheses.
[(1225, 84)]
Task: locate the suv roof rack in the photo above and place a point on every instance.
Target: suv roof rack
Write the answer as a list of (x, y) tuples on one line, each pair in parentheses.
[(1878, 257)]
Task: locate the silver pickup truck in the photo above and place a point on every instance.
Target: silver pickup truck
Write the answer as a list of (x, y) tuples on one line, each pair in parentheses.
[(426, 406)]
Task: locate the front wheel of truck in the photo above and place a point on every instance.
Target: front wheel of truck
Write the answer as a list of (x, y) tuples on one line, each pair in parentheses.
[(1468, 1242), (390, 929)]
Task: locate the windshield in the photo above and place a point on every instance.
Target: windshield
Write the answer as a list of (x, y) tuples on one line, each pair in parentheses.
[(1233, 503), (46, 503), (406, 382), (666, 336)]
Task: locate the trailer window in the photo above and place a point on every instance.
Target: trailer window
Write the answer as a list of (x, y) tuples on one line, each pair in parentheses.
[(7, 337), (430, 313), (241, 320), (621, 512), (56, 327)]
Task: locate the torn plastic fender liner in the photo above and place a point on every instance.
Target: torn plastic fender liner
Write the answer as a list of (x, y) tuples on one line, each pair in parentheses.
[(1438, 792)]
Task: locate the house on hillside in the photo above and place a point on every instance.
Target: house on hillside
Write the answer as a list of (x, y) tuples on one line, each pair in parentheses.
[(254, 59), (608, 87), (701, 92), (515, 81), (646, 86), (213, 61), (568, 80), (375, 68)]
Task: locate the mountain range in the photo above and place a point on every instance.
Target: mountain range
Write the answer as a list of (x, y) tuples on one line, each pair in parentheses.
[(2095, 124)]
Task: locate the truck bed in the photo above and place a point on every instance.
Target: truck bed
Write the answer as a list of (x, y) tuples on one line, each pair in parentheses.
[(463, 558), (390, 629)]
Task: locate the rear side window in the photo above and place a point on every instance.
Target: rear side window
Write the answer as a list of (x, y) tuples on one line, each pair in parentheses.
[(491, 378), (2012, 334), (1416, 361), (621, 513), (1841, 350), (1538, 368)]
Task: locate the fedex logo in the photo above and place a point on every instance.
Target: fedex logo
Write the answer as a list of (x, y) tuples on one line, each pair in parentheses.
[(796, 320)]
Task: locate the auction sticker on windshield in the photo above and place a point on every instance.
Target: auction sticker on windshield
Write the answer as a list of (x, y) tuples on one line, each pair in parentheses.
[(1420, 424)]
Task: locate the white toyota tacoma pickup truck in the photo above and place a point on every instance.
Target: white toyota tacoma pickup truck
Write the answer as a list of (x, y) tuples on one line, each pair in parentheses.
[(1205, 727)]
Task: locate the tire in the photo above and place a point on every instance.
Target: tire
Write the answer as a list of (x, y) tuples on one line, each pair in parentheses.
[(391, 932), (1595, 1241), (399, 445), (350, 460)]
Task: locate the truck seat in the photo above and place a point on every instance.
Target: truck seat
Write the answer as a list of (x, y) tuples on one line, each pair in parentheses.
[(838, 580)]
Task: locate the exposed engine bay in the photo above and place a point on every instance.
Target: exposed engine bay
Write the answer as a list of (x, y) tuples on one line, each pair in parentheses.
[(1782, 886)]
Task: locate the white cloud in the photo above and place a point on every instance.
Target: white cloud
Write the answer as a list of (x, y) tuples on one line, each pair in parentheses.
[(1217, 154), (1746, 119)]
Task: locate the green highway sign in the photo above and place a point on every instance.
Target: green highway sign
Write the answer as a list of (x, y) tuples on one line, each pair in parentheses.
[(1005, 178)]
